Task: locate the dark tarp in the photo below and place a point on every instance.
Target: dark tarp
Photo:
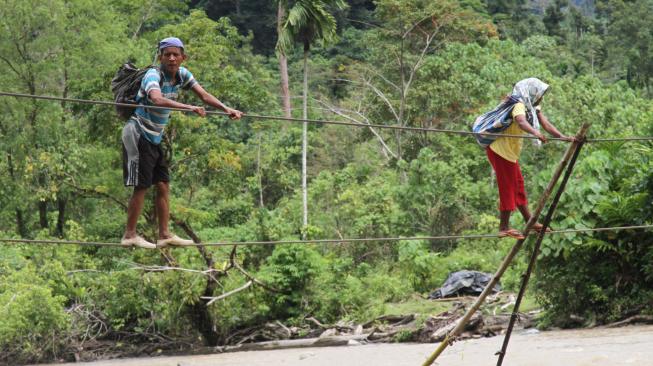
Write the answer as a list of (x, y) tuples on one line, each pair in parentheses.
[(464, 283)]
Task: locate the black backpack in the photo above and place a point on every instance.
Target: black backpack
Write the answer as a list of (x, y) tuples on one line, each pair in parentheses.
[(125, 85)]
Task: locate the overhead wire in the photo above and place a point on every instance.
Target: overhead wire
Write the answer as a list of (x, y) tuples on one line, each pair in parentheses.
[(281, 118), (328, 122)]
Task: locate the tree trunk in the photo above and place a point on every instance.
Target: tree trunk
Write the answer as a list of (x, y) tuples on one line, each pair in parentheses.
[(20, 223), (260, 174), (43, 214), (202, 320), (61, 202), (61, 218), (283, 66), (198, 312), (21, 228), (305, 144)]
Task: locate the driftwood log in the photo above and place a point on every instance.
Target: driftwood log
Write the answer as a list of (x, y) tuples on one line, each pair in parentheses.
[(645, 319), (328, 341)]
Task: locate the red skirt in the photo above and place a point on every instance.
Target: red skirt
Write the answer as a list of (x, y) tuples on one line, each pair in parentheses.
[(509, 180)]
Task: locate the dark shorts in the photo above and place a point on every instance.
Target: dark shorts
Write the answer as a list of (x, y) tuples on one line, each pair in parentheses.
[(145, 166)]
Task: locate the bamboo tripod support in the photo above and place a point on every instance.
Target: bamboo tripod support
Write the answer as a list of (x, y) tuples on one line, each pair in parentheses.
[(536, 250), (462, 322)]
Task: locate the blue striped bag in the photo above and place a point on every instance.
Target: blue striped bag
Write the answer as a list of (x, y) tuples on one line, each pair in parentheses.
[(494, 121)]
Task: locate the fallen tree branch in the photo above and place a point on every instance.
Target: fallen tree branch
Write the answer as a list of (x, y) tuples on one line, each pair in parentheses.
[(393, 319), (647, 319), (226, 294), (252, 278), (207, 272), (317, 322)]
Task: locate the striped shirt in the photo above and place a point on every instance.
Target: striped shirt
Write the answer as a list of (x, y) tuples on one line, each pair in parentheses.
[(152, 122)]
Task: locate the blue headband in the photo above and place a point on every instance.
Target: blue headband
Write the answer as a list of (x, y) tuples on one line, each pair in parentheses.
[(170, 42)]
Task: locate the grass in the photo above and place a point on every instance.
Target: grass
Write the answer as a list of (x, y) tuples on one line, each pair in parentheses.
[(417, 305)]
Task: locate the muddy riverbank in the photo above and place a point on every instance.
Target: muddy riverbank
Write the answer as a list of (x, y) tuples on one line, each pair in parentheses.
[(632, 345)]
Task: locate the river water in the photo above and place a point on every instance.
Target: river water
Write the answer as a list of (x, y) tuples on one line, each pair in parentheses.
[(632, 345)]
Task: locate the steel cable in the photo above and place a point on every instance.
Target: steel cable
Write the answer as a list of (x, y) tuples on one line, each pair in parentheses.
[(330, 241)]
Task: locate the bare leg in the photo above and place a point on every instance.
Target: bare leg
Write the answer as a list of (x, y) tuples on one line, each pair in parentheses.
[(162, 204), (504, 220), (134, 211), (526, 214)]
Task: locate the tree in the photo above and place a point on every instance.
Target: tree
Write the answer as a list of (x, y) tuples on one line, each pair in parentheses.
[(283, 62), (631, 60), (514, 18), (307, 22), (553, 17), (411, 33), (147, 15), (255, 17), (44, 54)]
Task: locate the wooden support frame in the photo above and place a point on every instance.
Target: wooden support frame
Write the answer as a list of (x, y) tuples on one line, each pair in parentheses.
[(536, 251), (450, 338)]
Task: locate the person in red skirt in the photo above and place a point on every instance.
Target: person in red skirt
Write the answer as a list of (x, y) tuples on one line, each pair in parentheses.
[(504, 152)]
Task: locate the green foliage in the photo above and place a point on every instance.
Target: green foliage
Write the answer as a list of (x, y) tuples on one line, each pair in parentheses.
[(474, 77), (411, 63), (483, 255), (33, 322), (307, 21), (364, 206), (515, 19), (599, 276), (355, 292), (438, 195), (291, 269), (553, 16), (630, 21), (418, 263)]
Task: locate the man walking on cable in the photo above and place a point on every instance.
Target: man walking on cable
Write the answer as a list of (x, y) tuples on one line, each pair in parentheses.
[(144, 164)]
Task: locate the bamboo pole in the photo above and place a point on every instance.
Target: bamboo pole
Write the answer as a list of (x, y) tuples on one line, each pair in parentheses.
[(450, 338), (536, 250)]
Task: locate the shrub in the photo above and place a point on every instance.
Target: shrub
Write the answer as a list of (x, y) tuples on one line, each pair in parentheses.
[(33, 322)]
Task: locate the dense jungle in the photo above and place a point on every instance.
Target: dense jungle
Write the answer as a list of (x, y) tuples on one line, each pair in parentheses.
[(411, 63)]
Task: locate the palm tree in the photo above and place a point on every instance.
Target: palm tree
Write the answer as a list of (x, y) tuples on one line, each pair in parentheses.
[(283, 61), (307, 22)]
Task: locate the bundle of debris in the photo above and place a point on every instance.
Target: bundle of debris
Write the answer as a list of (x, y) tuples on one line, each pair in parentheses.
[(389, 328)]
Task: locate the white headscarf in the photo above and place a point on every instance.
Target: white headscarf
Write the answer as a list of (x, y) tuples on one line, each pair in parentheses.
[(530, 92)]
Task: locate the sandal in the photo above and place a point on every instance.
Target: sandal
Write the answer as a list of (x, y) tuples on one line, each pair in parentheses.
[(538, 227), (511, 233), (174, 241), (137, 241)]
